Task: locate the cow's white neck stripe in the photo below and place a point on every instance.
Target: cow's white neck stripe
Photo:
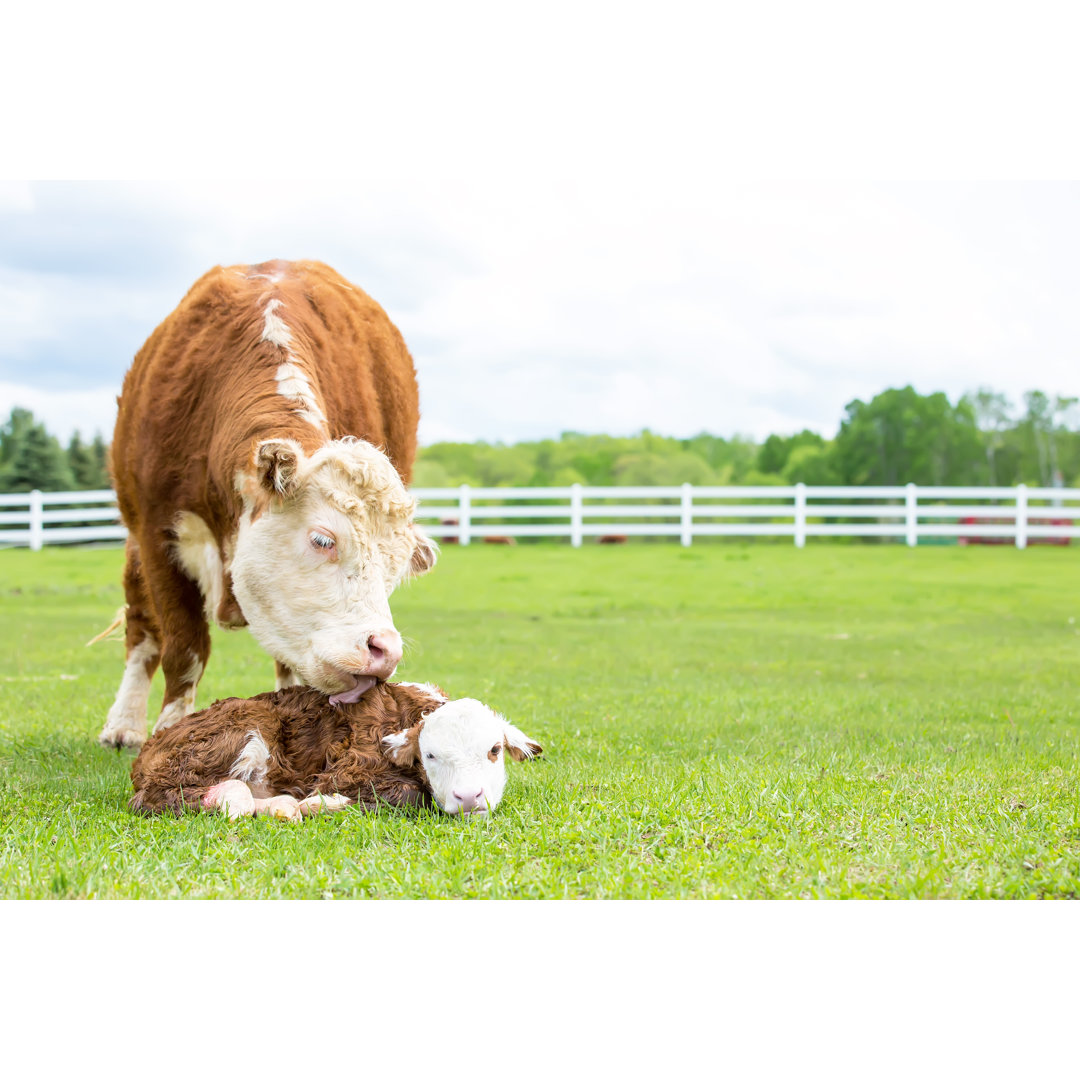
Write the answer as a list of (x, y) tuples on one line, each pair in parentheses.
[(274, 329), (293, 384)]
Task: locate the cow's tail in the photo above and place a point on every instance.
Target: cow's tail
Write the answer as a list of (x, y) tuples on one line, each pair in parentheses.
[(117, 623)]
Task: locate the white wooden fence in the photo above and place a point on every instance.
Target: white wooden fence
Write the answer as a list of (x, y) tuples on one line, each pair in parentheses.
[(1020, 515)]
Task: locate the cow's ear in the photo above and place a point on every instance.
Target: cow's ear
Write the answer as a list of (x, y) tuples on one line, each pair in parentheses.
[(403, 747), (277, 465), (518, 745), (424, 555)]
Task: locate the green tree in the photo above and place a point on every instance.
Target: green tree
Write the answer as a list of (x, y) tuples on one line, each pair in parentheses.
[(815, 466), (644, 469), (776, 450), (902, 436), (12, 436), (39, 462), (992, 412), (86, 465), (101, 456)]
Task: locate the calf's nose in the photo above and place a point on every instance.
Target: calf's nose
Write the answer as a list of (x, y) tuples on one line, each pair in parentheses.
[(470, 800), (384, 653)]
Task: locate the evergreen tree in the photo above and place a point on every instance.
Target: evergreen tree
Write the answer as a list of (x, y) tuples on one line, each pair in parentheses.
[(81, 462), (101, 459), (39, 462), (13, 434)]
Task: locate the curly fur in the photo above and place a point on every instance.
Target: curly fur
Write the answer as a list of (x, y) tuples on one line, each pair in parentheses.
[(315, 748)]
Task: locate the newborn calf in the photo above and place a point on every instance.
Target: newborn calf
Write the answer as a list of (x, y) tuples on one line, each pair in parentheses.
[(291, 752)]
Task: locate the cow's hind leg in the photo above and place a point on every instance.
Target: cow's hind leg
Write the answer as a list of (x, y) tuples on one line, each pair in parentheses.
[(125, 724)]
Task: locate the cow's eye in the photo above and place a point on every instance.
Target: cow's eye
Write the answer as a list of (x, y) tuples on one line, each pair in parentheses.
[(430, 757), (322, 540), (494, 751)]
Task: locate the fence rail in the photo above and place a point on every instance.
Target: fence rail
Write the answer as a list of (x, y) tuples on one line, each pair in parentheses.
[(1021, 514)]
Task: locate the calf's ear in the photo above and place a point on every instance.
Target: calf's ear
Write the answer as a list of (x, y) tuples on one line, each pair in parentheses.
[(277, 465), (518, 745), (403, 747), (424, 555)]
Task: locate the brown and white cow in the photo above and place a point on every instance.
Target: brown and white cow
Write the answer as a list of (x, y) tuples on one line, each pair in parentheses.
[(247, 467), (292, 753)]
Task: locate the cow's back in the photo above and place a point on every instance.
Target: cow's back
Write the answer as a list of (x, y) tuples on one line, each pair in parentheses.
[(208, 385)]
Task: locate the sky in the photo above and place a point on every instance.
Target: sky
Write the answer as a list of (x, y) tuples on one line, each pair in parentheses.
[(642, 224)]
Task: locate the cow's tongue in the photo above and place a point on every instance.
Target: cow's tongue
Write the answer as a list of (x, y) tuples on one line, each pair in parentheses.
[(348, 697)]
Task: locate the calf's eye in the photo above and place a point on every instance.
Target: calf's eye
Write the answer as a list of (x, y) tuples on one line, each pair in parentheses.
[(322, 540), (430, 757), (494, 751)]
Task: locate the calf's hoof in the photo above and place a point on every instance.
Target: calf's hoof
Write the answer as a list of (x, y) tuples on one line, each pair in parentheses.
[(282, 807)]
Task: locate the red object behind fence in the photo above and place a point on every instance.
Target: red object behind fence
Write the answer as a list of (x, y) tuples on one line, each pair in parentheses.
[(1061, 541)]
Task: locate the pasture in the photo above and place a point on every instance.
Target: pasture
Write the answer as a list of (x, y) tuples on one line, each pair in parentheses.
[(727, 720)]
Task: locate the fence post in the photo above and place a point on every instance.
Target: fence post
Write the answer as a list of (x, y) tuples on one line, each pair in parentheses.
[(687, 506), (800, 515), (575, 515), (464, 506), (37, 523), (1021, 515), (911, 503)]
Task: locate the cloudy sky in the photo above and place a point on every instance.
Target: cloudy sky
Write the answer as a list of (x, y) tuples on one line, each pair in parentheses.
[(628, 227)]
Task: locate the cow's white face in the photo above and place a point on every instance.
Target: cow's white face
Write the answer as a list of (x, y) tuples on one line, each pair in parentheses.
[(461, 747), (322, 544)]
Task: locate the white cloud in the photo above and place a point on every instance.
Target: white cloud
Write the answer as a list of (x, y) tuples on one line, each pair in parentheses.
[(541, 306)]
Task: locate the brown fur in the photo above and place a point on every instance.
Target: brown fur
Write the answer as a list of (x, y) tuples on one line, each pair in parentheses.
[(315, 748), (200, 396)]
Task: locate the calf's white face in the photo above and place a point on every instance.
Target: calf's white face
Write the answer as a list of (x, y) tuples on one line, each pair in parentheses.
[(322, 544), (461, 747)]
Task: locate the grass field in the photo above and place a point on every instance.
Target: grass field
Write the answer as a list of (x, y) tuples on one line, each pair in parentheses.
[(722, 721)]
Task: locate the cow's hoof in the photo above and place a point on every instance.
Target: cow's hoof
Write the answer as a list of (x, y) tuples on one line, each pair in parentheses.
[(115, 738)]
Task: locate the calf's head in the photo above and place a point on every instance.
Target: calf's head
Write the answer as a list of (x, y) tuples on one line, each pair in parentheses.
[(323, 542), (461, 748)]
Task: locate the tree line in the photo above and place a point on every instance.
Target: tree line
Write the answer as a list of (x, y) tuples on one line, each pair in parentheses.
[(897, 437), (32, 458)]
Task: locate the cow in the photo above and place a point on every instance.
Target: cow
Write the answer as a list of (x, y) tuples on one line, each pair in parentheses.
[(264, 438)]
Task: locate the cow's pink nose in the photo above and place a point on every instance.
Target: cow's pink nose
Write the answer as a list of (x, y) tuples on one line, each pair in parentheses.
[(384, 652), (470, 800)]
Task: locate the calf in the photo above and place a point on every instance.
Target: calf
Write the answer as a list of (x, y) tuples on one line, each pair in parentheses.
[(293, 752)]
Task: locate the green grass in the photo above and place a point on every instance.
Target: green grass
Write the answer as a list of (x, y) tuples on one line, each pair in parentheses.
[(723, 721)]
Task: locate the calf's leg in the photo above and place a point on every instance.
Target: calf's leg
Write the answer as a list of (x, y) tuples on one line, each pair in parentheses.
[(283, 807), (232, 797), (324, 804)]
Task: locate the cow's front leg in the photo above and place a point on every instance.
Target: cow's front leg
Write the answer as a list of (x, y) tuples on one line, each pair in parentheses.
[(125, 724), (185, 636)]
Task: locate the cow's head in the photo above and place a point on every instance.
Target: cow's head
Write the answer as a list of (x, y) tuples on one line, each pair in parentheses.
[(460, 749), (323, 542)]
